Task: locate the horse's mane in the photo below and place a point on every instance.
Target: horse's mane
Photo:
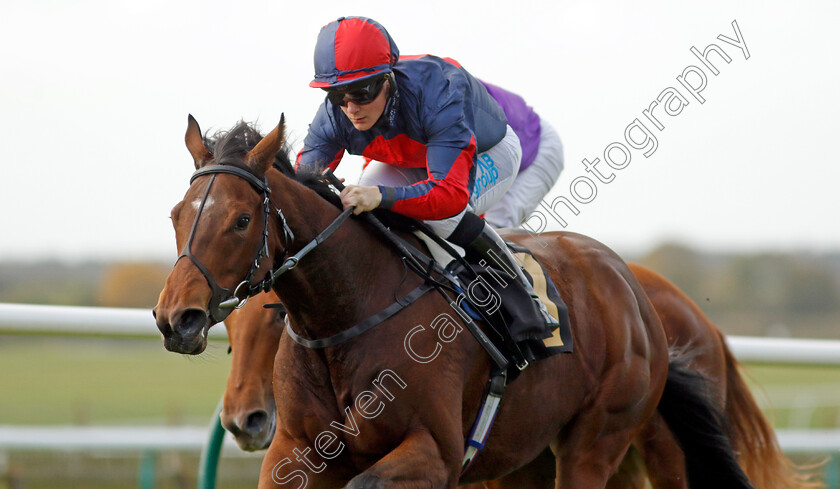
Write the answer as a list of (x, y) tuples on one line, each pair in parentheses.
[(229, 147)]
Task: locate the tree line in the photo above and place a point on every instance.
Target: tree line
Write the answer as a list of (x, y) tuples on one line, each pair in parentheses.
[(798, 290)]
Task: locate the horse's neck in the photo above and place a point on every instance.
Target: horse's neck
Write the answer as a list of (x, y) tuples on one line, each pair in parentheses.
[(334, 284)]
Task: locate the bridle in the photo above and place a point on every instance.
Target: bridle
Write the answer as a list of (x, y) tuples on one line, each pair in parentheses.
[(222, 300)]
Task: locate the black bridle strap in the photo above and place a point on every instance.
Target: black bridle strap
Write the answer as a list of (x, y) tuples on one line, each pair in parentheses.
[(414, 262), (259, 184), (363, 326), (219, 294), (223, 300)]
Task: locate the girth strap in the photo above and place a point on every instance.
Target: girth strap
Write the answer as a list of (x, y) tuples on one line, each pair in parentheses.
[(363, 326)]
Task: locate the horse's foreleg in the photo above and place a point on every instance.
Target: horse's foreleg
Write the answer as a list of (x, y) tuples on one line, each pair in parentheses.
[(289, 464), (415, 463)]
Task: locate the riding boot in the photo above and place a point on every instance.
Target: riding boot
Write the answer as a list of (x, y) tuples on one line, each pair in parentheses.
[(493, 251)]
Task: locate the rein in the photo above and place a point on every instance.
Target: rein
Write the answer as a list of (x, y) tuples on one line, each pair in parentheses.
[(223, 301), (292, 261), (363, 326)]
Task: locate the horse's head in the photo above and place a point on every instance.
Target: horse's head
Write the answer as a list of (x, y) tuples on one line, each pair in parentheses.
[(222, 229), (249, 411)]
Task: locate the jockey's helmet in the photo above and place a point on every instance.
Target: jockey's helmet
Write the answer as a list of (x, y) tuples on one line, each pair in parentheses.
[(351, 50)]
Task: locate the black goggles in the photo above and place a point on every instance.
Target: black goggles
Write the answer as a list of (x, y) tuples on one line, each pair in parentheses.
[(358, 94)]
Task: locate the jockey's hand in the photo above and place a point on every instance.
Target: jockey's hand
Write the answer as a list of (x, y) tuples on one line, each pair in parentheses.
[(365, 198)]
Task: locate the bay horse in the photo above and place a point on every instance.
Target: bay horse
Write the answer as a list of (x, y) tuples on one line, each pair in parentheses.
[(332, 416), (249, 409), (659, 455)]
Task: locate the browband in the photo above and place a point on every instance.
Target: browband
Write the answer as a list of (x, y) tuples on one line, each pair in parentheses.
[(260, 185)]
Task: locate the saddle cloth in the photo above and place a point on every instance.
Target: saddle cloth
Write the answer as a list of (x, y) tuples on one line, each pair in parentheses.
[(560, 340)]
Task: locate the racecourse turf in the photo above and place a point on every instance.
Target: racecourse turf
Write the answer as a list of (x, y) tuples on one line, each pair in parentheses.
[(100, 381)]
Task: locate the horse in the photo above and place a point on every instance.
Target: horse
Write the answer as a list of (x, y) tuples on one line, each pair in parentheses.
[(332, 415), (656, 451), (754, 440), (248, 412)]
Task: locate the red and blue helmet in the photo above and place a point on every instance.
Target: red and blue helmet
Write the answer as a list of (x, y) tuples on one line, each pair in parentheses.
[(352, 49)]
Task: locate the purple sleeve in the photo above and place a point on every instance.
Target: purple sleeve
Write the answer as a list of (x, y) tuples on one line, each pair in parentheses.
[(522, 118)]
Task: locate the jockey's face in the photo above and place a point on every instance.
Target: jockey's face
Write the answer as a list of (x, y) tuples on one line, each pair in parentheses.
[(365, 116)]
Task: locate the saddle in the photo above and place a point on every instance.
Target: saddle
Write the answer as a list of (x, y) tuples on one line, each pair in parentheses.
[(484, 295), (518, 340), (480, 293)]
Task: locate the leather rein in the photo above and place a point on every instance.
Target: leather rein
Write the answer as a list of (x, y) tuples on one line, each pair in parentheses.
[(222, 300)]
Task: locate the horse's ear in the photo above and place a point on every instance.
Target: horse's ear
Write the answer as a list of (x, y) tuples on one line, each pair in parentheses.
[(262, 156), (195, 143)]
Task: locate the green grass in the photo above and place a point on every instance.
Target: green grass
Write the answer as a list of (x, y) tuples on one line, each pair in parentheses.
[(797, 397), (97, 381), (172, 470), (84, 381), (785, 375)]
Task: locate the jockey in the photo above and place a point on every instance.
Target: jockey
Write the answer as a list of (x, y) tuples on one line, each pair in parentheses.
[(441, 146)]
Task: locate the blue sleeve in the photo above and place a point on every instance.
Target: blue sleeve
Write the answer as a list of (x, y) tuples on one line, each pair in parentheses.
[(321, 147), (445, 125), (450, 149)]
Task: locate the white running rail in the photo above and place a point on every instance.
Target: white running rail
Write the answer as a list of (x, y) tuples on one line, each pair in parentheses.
[(114, 322)]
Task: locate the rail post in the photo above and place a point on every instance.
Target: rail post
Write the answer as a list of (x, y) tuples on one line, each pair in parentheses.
[(209, 463), (146, 473)]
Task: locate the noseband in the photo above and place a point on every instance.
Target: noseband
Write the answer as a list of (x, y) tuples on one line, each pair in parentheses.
[(222, 300)]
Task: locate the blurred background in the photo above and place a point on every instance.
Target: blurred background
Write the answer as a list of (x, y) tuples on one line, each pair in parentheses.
[(737, 205)]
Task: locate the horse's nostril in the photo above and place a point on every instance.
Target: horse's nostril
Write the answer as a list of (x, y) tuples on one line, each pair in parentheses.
[(163, 326), (255, 422), (191, 323), (231, 426)]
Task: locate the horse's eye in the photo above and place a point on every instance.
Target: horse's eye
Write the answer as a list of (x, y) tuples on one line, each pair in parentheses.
[(242, 223)]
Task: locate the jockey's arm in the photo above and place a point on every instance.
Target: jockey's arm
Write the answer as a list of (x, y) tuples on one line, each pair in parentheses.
[(320, 149)]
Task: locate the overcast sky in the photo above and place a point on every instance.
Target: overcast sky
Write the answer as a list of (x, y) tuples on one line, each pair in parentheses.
[(94, 97)]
